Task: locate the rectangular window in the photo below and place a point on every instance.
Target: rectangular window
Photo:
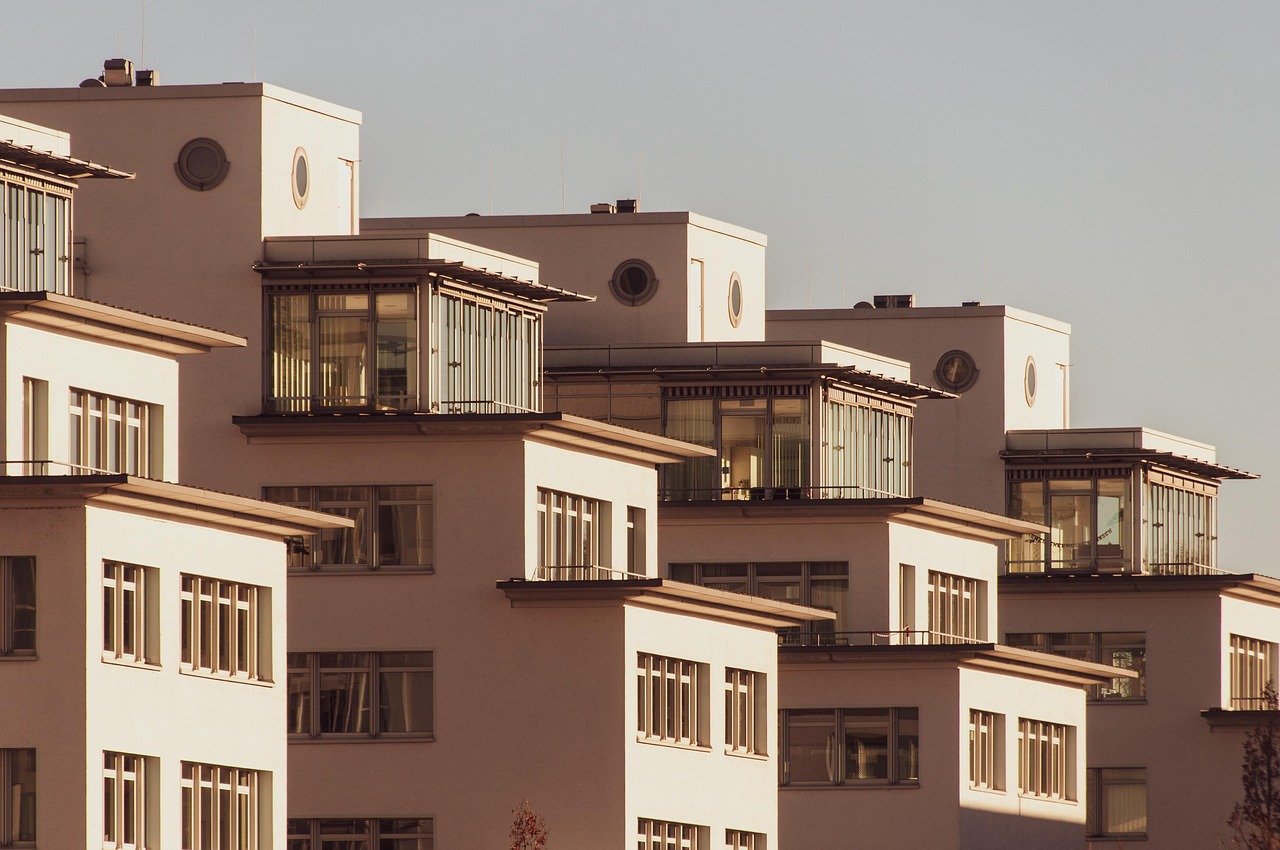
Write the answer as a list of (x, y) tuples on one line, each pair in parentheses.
[(1117, 802), (1046, 760), (745, 732), (851, 746), (669, 835), (125, 802), (129, 613), (957, 608), (488, 355), (111, 434), (18, 804), (221, 808), (1089, 519), (986, 750), (394, 526), (226, 628), (1126, 650), (36, 241), (361, 694), (1253, 667), (353, 833), (350, 347), (17, 606), (637, 558), (570, 536), (35, 426), (740, 839), (671, 697), (818, 584)]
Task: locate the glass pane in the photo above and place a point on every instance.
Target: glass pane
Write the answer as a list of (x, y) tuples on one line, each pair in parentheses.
[(344, 546), (811, 746), (908, 745), (742, 452), (405, 702), (405, 535), (344, 349), (1113, 531), (24, 603), (1026, 502), (290, 352), (1071, 524), (866, 741)]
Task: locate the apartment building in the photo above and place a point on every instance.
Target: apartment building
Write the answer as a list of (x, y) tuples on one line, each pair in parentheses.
[(142, 623), (488, 623)]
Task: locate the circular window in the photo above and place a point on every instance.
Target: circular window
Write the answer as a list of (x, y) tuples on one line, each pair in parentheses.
[(633, 282), (1029, 381), (956, 371), (202, 164), (301, 178), (735, 299)]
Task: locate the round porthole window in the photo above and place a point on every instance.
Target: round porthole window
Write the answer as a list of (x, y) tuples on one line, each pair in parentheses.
[(202, 164), (633, 282), (301, 178), (735, 299), (956, 371), (1029, 381)]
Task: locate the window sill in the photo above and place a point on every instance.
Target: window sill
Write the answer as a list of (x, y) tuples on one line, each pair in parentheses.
[(1061, 801), (362, 571), (852, 786), (124, 662), (16, 656), (675, 745), (339, 738), (222, 677), (999, 792), (748, 756), (1119, 839), (1139, 701)]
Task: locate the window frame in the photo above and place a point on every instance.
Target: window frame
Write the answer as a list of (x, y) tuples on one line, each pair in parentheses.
[(653, 834), (142, 612), (672, 705), (809, 575), (11, 821), (986, 750), (305, 698), (1096, 786), (745, 710), (228, 623), (235, 799), (35, 233), (957, 608), (1095, 649), (377, 829), (119, 807), (837, 753), (573, 535), (1251, 667), (1046, 760), (1053, 557), (11, 614), (742, 839), (114, 435), (305, 551)]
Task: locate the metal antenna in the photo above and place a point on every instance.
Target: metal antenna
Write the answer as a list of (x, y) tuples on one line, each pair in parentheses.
[(142, 59)]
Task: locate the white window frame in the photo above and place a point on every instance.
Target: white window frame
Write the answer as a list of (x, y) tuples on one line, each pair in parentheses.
[(670, 835), (17, 801), (571, 534), (1046, 760), (745, 727), (218, 796), (741, 839), (986, 750), (1252, 664), (226, 628), (671, 697), (125, 803), (129, 613), (112, 434), (957, 608)]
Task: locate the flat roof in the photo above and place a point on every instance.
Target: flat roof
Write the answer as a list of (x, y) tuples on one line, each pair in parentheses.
[(1122, 443), (475, 221), (1252, 586), (916, 510), (667, 595), (551, 427), (113, 324), (977, 311), (982, 656), (57, 165), (162, 498)]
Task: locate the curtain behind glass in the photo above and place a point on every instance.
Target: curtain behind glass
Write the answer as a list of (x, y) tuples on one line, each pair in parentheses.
[(290, 320), (692, 420)]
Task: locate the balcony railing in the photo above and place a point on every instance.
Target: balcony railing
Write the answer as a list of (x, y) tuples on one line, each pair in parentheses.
[(771, 494), (900, 637), (1165, 569), (52, 467), (482, 406), (1258, 703), (584, 573)]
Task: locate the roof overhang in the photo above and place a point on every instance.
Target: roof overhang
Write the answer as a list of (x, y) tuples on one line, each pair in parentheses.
[(56, 165), (666, 595), (1105, 457), (164, 499), (555, 428), (854, 377), (112, 324), (990, 657), (1230, 718), (915, 511), (1253, 587)]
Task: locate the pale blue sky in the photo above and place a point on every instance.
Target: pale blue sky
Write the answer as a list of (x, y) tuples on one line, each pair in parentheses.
[(1112, 164)]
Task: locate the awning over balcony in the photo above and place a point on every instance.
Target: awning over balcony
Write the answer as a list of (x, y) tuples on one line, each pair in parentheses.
[(46, 162)]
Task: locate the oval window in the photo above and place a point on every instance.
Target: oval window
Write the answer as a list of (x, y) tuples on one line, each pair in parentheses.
[(301, 178), (1029, 381), (735, 299), (202, 164)]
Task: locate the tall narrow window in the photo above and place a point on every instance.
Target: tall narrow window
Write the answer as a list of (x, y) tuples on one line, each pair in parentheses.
[(570, 535), (226, 628), (1046, 760), (17, 606), (671, 697), (1253, 667), (637, 560), (986, 750), (125, 792), (222, 808), (129, 613), (957, 608), (110, 434), (35, 427), (18, 804), (744, 712), (671, 835), (361, 694), (394, 526)]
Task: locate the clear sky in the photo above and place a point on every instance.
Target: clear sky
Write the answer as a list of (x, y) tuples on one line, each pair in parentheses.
[(1115, 164)]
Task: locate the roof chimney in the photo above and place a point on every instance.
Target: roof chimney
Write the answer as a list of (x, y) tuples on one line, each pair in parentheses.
[(146, 78), (605, 209), (117, 72)]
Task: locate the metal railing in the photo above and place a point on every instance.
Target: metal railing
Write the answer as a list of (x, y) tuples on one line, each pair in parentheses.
[(899, 637), (1165, 569), (53, 467), (584, 573), (771, 494)]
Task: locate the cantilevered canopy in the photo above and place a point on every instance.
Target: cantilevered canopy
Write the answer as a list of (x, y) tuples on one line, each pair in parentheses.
[(26, 156), (1105, 456), (417, 267)]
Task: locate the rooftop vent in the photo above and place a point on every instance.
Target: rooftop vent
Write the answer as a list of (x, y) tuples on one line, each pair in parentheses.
[(885, 301), (628, 205), (117, 72), (605, 209), (970, 303), (146, 78)]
